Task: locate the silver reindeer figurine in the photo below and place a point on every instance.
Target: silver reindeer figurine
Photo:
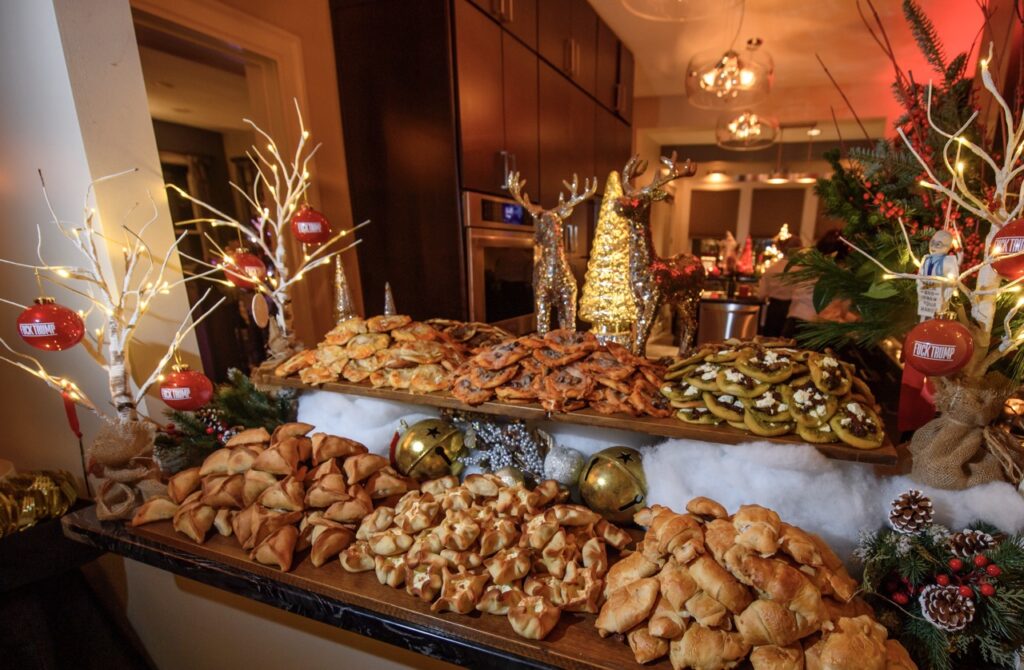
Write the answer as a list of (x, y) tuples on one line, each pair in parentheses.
[(553, 281), (679, 278)]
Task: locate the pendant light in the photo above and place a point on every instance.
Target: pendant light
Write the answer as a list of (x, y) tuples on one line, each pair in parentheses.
[(679, 10), (747, 131), (808, 177), (778, 175), (730, 79)]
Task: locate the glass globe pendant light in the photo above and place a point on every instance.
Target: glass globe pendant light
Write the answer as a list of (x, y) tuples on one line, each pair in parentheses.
[(730, 79), (747, 131)]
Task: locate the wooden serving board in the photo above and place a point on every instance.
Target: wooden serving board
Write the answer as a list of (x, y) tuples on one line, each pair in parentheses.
[(670, 427)]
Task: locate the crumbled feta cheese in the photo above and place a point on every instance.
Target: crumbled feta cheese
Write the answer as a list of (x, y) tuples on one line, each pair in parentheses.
[(770, 357), (802, 397), (856, 410), (783, 407), (734, 376), (829, 362), (707, 371), (420, 579), (727, 399), (764, 401), (817, 410), (825, 428), (846, 421), (691, 390)]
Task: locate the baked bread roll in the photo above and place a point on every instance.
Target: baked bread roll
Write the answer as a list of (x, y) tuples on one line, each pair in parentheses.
[(533, 617), (634, 567), (627, 607), (706, 611), (678, 534), (645, 646), (771, 657), (768, 622), (716, 581), (665, 621), (758, 528), (155, 509), (702, 648), (719, 536), (706, 508), (548, 586)]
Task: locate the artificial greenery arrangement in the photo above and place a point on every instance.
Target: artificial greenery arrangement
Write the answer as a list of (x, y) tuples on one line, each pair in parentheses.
[(236, 405), (955, 600)]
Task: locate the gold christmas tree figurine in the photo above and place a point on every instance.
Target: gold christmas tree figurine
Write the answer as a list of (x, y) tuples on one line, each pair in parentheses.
[(344, 308), (607, 301)]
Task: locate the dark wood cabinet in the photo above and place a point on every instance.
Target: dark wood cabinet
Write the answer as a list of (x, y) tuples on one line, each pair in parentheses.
[(519, 17), (566, 134), (606, 87), (613, 141), (624, 93), (519, 66), (567, 38)]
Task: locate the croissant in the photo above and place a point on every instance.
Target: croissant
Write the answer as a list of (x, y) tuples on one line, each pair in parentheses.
[(719, 537), (389, 542), (179, 486), (855, 644), (390, 570), (436, 487), (646, 647), (483, 486), (533, 617), (374, 522), (499, 534), (280, 459), (548, 586), (328, 467), (716, 581), (359, 467), (612, 534), (327, 540), (216, 463), (222, 522), (676, 584), (702, 648), (459, 592), (248, 437), (326, 447), (706, 611), (595, 556), (353, 509), (800, 546), (278, 548), (287, 495), (254, 483), (286, 430), (581, 590), (574, 515), (498, 598), (772, 657), (627, 607), (154, 509), (509, 565), (706, 508), (629, 569), (669, 533), (758, 528), (423, 579), (242, 458), (665, 620), (385, 483), (357, 558), (194, 520), (768, 622), (785, 585), (223, 491), (326, 491)]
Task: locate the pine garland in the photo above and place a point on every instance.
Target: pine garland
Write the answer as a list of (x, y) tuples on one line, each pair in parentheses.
[(236, 404)]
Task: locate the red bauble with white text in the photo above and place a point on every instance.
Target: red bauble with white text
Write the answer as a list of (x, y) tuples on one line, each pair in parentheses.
[(1009, 240), (245, 270), (49, 326), (186, 390), (310, 226), (938, 347)]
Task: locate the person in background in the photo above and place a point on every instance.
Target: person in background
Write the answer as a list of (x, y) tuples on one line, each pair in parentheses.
[(773, 287), (801, 306)]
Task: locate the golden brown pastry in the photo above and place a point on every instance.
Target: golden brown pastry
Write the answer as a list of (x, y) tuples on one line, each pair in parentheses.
[(223, 491), (498, 598), (533, 617), (222, 522), (460, 592), (665, 621), (612, 534), (716, 581), (498, 534), (646, 647), (896, 656), (626, 607), (326, 491), (360, 466), (771, 657), (458, 531), (328, 539), (328, 467), (179, 486), (629, 569), (386, 483), (254, 483), (418, 515), (424, 578), (242, 458), (855, 644), (278, 548), (155, 509), (216, 463), (290, 429), (376, 521), (327, 446), (677, 586), (250, 436), (719, 537), (594, 555), (706, 611), (669, 533), (706, 508), (483, 486), (702, 648), (296, 363), (574, 515), (768, 622), (580, 590), (390, 570), (390, 542), (281, 459), (758, 528), (194, 520), (436, 487), (287, 494), (357, 558), (352, 510), (539, 530), (509, 565)]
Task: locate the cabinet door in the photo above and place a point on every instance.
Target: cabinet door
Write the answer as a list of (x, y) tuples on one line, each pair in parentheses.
[(554, 33), (521, 127), (624, 101), (556, 95), (584, 36), (581, 128), (608, 152), (607, 77), (478, 58), (491, 7), (520, 19)]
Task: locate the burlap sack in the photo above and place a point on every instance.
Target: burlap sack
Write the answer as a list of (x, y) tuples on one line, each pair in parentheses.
[(121, 468), (950, 451)]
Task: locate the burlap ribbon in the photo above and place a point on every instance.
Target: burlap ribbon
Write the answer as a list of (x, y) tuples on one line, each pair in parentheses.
[(121, 468), (959, 449)]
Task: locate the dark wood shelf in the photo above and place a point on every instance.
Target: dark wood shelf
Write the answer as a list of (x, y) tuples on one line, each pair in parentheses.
[(357, 602), (670, 427)]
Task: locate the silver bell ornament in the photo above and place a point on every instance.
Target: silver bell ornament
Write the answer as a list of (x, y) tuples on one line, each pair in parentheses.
[(563, 464)]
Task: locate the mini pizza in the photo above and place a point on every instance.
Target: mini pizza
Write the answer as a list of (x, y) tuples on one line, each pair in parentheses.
[(696, 356), (700, 415), (828, 374), (525, 386), (567, 340), (822, 434), (726, 355), (604, 364), (732, 381), (858, 425), (465, 390), (724, 406), (502, 355), (553, 358), (366, 345), (568, 383), (758, 426), (808, 404), (682, 396), (769, 407), (489, 379), (766, 365), (704, 377)]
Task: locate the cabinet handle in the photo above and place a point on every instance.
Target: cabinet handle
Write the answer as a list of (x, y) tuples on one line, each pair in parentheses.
[(515, 163), (498, 7), (576, 58), (510, 16), (505, 171), (567, 52), (620, 98)]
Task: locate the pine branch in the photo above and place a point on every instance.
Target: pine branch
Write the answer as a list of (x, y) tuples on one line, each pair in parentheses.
[(925, 35)]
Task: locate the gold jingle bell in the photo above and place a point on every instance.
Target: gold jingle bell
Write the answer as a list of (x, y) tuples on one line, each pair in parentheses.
[(428, 449), (612, 483)]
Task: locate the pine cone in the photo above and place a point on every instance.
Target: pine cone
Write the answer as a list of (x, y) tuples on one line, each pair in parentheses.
[(911, 512), (969, 543), (944, 607)]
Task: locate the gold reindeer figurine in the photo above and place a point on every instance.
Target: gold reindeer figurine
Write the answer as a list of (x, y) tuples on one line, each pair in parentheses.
[(553, 281)]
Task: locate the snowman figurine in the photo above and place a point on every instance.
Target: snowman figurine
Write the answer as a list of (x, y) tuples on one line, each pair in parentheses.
[(932, 297)]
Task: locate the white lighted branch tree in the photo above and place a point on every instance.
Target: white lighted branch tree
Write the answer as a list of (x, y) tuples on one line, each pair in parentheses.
[(1002, 202), (119, 305), (277, 192)]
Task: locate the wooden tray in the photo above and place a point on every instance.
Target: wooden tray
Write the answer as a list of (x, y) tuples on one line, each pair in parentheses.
[(359, 602), (670, 427)]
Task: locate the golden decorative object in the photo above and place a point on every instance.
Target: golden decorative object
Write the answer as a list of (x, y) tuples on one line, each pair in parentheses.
[(511, 475), (30, 497), (613, 484), (344, 306), (428, 449), (607, 300), (389, 301)]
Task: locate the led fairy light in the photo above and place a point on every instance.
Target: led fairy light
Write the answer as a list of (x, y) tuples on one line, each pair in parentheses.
[(278, 193)]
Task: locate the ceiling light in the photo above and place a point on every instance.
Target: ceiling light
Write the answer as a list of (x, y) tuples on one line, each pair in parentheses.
[(778, 175), (805, 178), (716, 177), (679, 10), (813, 132), (747, 131)]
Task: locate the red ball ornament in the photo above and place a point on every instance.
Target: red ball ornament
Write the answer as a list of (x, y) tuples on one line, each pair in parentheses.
[(955, 564), (938, 347), (1009, 240), (49, 326), (993, 570), (310, 226), (987, 590), (980, 561), (245, 270), (186, 390), (966, 591), (942, 580), (901, 598)]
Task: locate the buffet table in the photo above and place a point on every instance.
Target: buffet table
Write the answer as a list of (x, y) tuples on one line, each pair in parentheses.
[(354, 602)]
